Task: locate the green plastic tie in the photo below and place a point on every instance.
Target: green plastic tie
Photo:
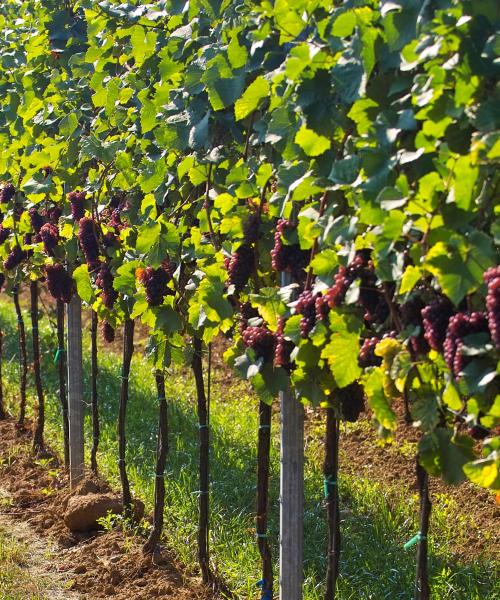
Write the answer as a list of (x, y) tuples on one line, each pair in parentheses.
[(264, 426), (329, 481), (418, 537), (57, 355), (201, 426), (261, 535)]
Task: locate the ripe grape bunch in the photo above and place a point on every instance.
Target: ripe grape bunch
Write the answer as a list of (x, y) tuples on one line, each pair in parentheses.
[(53, 214), (7, 193), (15, 258), (155, 283), (460, 326), (108, 332), (351, 399), (287, 257), (50, 237), (247, 312), (251, 228), (367, 356), (261, 340), (492, 279), (87, 237), (240, 266), (36, 219), (104, 282), (306, 306), (59, 282), (4, 234), (435, 318), (283, 348), (77, 200)]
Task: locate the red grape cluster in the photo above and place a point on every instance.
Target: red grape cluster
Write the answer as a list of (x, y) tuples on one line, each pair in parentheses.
[(60, 283), (283, 348), (287, 257), (15, 258), (241, 266), (104, 282), (4, 234), (367, 356), (108, 332), (155, 283), (435, 318), (336, 294), (50, 238), (53, 214), (7, 192), (251, 229), (87, 237), (460, 326), (351, 399), (36, 219), (322, 308), (492, 278), (261, 340), (306, 306), (77, 200), (411, 316)]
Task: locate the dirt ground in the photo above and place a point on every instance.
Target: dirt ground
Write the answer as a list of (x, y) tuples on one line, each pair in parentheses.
[(107, 564)]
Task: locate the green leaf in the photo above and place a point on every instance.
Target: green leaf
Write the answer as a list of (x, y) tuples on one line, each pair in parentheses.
[(311, 142), (411, 277), (485, 472), (236, 53), (344, 24), (83, 283), (443, 455), (451, 397), (255, 92), (124, 282), (342, 356), (147, 236), (381, 406)]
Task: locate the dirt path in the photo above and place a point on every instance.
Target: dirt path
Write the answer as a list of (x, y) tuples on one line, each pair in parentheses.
[(28, 564)]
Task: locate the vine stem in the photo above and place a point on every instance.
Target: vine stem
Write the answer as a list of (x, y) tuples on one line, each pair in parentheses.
[(38, 444), (161, 460), (61, 360), (204, 458), (314, 249), (422, 588), (94, 396), (263, 462), (3, 412), (23, 359), (330, 471), (128, 350)]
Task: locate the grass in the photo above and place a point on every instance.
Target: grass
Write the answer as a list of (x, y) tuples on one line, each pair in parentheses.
[(376, 519)]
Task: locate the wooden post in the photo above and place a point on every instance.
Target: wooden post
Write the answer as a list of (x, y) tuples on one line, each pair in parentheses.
[(291, 493), (75, 391)]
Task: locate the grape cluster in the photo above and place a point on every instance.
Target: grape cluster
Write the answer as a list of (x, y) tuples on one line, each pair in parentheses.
[(47, 170), (155, 283), (2, 280), (53, 214), (241, 266), (60, 283), (261, 340), (287, 257), (351, 399), (435, 318), (7, 192), (336, 294), (87, 237), (4, 234), (306, 306), (411, 316), (492, 278), (322, 308), (367, 356), (107, 332), (460, 326), (251, 229), (15, 258), (36, 219), (283, 348), (77, 200), (50, 237), (247, 312), (104, 282)]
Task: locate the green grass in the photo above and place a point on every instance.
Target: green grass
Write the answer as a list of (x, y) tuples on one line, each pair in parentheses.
[(376, 519)]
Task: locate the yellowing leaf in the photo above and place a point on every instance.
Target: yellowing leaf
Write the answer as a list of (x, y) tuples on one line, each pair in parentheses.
[(255, 92), (311, 142)]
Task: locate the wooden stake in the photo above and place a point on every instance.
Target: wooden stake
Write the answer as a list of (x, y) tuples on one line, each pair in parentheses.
[(3, 412), (75, 392), (291, 494), (330, 471), (263, 464), (94, 371), (422, 588)]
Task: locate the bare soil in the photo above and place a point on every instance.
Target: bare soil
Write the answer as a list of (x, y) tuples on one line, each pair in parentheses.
[(97, 564)]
